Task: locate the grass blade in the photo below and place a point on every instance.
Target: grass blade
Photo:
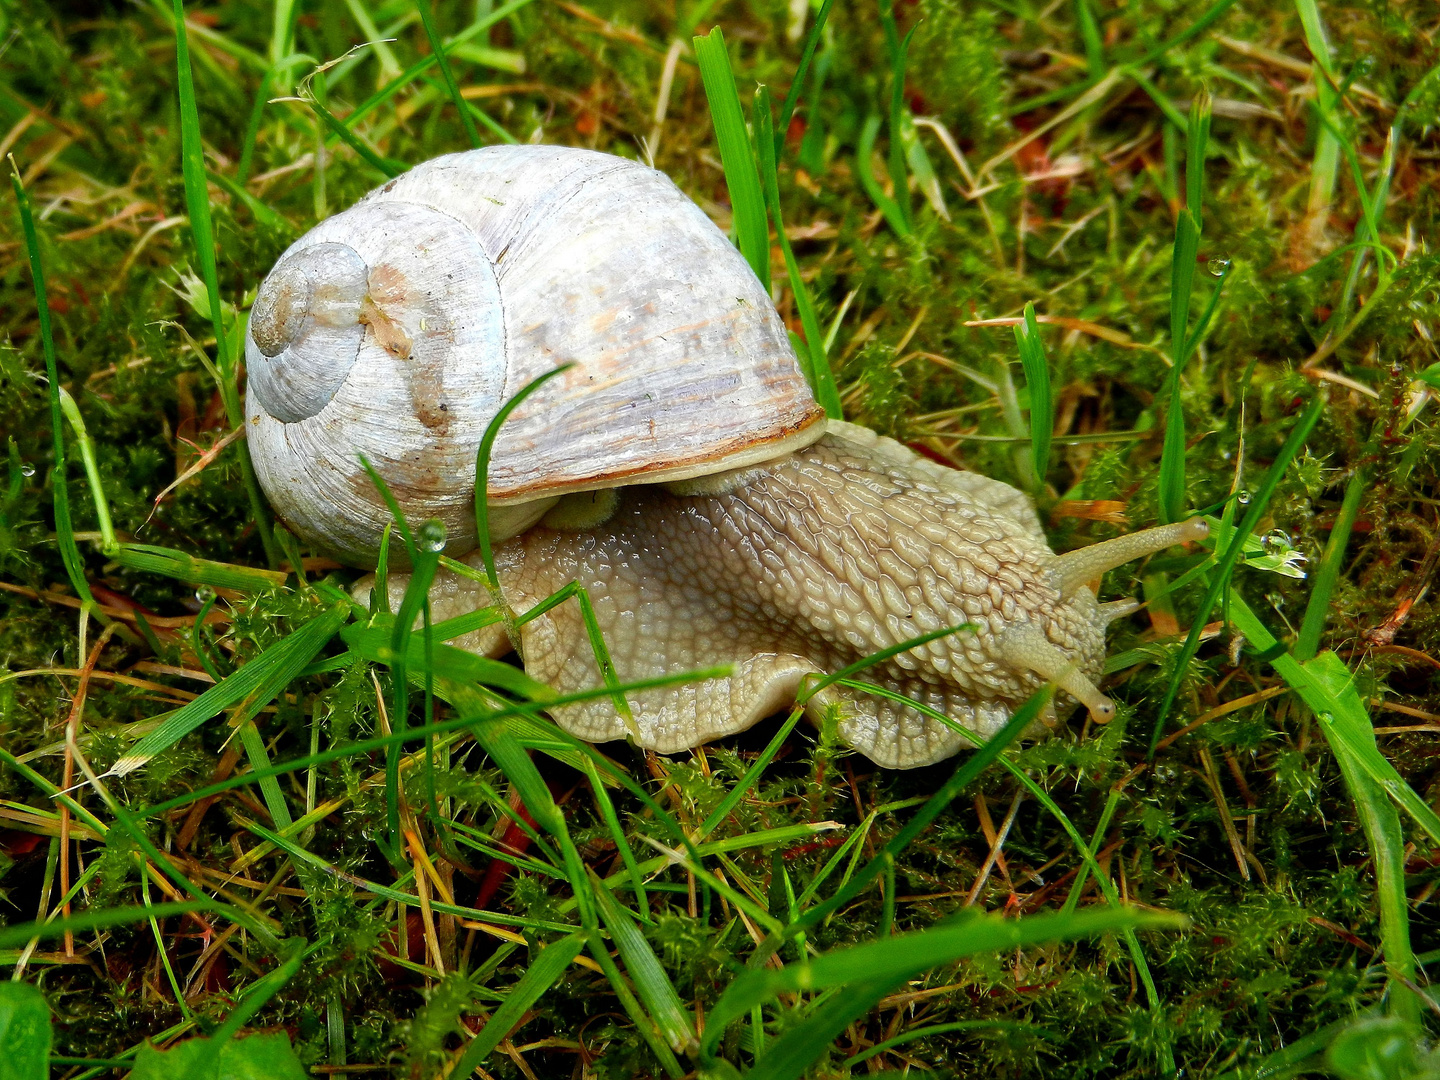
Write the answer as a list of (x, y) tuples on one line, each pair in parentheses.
[(1317, 608), (202, 233), (903, 956), (752, 235), (812, 39), (1197, 138), (897, 48), (64, 529), (894, 216), (1226, 563), (1090, 35), (1182, 277), (822, 379), (11, 936), (802, 1045), (622, 842), (1042, 404), (1328, 687), (542, 973), (177, 564), (482, 473), (251, 688), (383, 165), (437, 49), (656, 990)]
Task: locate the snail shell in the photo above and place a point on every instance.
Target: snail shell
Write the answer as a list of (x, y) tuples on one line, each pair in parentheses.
[(398, 328)]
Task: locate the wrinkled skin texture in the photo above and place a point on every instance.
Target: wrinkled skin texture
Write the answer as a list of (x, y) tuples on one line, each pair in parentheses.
[(803, 565)]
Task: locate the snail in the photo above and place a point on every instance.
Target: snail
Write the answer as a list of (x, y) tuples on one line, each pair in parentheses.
[(680, 469)]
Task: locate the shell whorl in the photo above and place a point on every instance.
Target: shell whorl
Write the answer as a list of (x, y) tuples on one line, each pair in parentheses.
[(305, 330), (398, 328)]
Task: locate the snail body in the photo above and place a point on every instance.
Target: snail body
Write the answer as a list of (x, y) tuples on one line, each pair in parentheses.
[(681, 470)]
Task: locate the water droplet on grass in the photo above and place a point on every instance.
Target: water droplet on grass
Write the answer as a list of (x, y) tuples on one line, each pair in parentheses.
[(27, 469), (1243, 498), (1218, 266), (432, 535), (204, 594)]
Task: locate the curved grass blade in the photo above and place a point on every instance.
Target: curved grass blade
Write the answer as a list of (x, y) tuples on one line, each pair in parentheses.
[(482, 473), (1328, 687), (896, 219), (656, 990)]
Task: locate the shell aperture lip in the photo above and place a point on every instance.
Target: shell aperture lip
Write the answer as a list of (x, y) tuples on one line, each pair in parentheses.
[(306, 330)]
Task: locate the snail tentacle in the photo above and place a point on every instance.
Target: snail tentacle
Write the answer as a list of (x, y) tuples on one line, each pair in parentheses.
[(1074, 569)]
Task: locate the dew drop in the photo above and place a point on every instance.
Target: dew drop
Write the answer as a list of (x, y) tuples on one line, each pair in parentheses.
[(1277, 542), (204, 594), (432, 535), (1218, 265), (1244, 497), (1326, 718), (27, 469)]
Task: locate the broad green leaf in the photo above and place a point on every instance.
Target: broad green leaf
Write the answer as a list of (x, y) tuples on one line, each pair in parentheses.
[(24, 1032), (256, 1057), (1382, 1048)]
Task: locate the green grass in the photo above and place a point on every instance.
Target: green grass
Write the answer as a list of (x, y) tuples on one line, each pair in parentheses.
[(275, 811)]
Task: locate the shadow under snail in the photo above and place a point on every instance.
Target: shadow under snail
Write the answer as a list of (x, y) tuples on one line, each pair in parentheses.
[(680, 470)]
